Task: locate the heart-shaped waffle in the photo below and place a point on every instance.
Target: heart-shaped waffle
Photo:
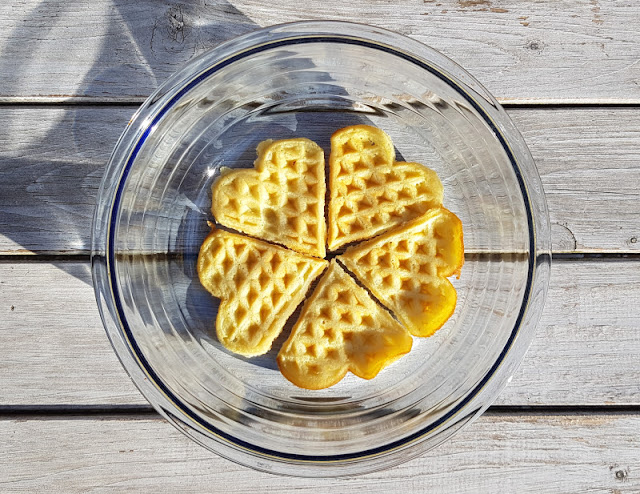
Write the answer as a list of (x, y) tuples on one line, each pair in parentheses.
[(259, 284), (281, 200), (370, 191), (406, 269), (340, 329)]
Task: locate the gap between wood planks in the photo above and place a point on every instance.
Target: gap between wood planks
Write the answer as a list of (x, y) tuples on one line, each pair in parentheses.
[(144, 412), (75, 102)]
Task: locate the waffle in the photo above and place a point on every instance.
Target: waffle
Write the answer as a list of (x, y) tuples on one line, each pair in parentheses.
[(259, 284), (341, 328), (406, 269), (370, 191), (281, 200)]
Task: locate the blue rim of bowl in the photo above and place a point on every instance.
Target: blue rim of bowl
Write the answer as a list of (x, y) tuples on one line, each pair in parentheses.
[(146, 366)]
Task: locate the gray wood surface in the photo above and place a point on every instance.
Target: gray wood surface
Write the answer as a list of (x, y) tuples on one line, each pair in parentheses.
[(51, 163), (553, 454), (543, 51), (70, 76), (585, 352)]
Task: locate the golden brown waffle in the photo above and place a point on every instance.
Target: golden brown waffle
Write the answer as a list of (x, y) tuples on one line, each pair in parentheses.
[(259, 285), (370, 191), (281, 200), (406, 269), (341, 328)]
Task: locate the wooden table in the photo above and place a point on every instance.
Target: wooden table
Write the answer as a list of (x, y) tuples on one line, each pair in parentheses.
[(72, 74)]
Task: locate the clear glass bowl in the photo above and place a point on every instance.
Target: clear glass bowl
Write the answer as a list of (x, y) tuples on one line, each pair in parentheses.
[(310, 79)]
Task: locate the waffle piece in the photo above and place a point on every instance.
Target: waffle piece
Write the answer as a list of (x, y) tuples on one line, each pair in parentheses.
[(406, 269), (370, 191), (281, 200), (341, 328), (259, 284)]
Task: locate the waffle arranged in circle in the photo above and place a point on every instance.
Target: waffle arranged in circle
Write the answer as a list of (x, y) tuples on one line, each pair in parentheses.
[(409, 245), (341, 328), (407, 269), (281, 200), (370, 191), (259, 284)]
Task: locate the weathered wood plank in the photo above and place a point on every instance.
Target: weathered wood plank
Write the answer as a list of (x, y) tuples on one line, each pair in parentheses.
[(585, 352), (588, 163), (571, 51), (51, 165), (56, 349), (520, 453), (51, 162)]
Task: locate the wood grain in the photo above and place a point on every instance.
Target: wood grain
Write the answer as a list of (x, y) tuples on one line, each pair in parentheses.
[(588, 163), (51, 329), (52, 159), (520, 453), (585, 352), (51, 165), (106, 50), (56, 354)]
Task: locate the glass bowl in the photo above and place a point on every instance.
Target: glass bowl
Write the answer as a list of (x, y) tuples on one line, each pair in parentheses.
[(309, 79)]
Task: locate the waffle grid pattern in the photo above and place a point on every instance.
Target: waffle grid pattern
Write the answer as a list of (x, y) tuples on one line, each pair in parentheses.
[(281, 200), (340, 328), (406, 269), (370, 191), (260, 286)]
